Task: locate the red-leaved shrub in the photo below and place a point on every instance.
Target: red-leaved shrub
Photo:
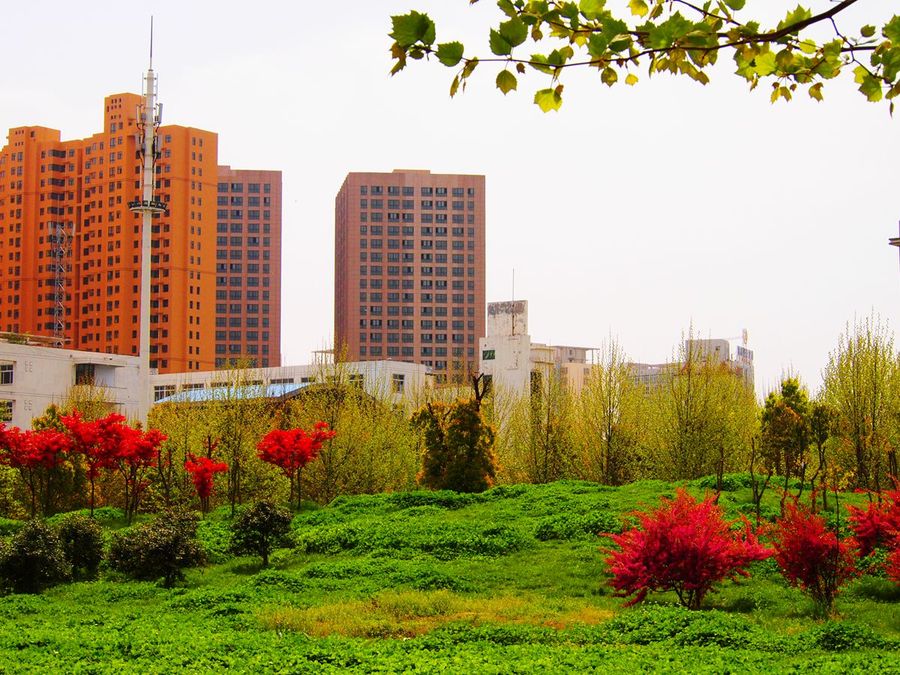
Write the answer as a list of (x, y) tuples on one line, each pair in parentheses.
[(878, 526), (684, 546), (892, 568), (812, 557)]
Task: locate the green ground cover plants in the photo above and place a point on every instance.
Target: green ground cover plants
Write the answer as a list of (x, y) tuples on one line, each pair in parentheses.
[(509, 580)]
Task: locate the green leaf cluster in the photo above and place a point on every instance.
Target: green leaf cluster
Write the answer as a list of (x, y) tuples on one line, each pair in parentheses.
[(666, 37)]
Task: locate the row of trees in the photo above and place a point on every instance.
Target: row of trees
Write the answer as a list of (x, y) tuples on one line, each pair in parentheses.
[(697, 419), (62, 460)]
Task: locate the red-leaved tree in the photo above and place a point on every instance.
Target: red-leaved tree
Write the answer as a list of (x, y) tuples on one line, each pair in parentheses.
[(135, 455), (96, 441), (203, 471), (34, 454), (877, 526), (292, 449), (684, 546), (110, 444), (812, 557)]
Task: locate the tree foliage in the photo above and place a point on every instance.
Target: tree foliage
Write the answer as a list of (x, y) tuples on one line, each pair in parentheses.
[(292, 449), (683, 546), (704, 417), (610, 411), (36, 456), (459, 446), (538, 431), (665, 36), (375, 449), (878, 525), (862, 386), (203, 471), (786, 433), (108, 443)]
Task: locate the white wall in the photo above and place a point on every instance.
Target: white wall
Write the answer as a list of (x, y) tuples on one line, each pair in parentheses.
[(44, 375)]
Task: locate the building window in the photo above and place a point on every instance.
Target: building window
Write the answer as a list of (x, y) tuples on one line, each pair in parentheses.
[(6, 373), (6, 410), (398, 383), (84, 373), (163, 391)]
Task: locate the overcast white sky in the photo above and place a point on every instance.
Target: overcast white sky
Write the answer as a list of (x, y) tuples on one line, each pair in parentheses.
[(631, 213)]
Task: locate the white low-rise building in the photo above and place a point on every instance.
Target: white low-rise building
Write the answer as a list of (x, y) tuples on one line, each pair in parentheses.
[(397, 380), (515, 364), (32, 377)]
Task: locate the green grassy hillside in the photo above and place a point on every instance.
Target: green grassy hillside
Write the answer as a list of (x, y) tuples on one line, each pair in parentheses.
[(507, 581)]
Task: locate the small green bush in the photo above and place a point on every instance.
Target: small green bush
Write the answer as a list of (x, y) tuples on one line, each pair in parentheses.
[(280, 580), (445, 499), (9, 526), (840, 636), (82, 542), (260, 529), (731, 482), (577, 526), (33, 559), (159, 549)]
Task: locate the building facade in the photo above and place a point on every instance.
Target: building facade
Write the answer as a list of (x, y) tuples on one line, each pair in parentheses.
[(70, 246), (410, 269), (33, 376), (248, 268)]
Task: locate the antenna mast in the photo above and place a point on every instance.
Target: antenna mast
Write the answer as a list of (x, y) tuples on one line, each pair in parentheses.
[(147, 206)]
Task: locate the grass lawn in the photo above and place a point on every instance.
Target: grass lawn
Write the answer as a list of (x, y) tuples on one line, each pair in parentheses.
[(507, 581)]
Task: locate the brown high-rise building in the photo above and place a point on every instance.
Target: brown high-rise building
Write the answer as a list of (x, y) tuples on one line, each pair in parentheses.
[(410, 269), (70, 248), (248, 267)]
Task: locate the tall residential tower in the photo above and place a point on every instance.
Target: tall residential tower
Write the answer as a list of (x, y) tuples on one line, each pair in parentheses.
[(71, 248), (410, 269), (248, 267)]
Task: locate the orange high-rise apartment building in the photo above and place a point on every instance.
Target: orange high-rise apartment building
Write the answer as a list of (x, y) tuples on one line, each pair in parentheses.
[(410, 269), (70, 246)]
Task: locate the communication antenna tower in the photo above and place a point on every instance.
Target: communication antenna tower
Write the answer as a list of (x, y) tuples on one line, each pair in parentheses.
[(59, 238), (149, 117)]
